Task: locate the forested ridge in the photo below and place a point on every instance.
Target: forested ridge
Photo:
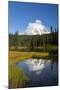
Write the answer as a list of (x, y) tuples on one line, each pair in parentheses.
[(34, 42)]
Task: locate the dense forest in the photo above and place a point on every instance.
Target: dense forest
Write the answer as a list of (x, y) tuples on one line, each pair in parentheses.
[(46, 42)]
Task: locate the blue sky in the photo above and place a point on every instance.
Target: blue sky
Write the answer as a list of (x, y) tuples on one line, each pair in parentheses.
[(21, 14)]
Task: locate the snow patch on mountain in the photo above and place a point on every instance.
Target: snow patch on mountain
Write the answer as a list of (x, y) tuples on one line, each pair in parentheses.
[(36, 28)]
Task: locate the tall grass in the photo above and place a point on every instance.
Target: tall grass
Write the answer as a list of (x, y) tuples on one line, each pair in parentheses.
[(17, 78), (16, 56)]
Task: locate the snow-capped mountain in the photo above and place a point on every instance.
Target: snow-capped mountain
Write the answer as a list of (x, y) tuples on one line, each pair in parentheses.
[(36, 28)]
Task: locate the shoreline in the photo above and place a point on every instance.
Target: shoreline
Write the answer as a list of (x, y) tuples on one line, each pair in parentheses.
[(16, 56)]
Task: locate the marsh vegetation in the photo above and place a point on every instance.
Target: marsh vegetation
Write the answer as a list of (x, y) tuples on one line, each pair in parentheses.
[(24, 47)]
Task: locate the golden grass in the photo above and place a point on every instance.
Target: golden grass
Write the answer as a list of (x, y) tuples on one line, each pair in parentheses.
[(16, 56), (17, 78)]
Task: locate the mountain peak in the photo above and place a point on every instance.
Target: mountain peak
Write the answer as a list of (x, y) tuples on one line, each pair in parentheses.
[(36, 28)]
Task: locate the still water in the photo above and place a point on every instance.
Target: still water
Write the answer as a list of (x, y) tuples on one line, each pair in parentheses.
[(41, 72)]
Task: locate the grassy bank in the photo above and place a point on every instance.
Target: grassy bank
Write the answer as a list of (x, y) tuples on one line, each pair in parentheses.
[(17, 78), (17, 56)]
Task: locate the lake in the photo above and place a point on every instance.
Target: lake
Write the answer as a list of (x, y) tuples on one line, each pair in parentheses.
[(41, 72)]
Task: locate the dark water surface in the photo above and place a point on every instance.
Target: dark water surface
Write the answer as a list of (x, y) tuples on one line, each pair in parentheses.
[(41, 72)]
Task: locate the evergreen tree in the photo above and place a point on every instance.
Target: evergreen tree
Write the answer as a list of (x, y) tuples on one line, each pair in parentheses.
[(16, 40), (51, 29)]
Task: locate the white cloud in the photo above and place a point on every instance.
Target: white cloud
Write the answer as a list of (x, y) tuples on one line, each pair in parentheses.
[(36, 27)]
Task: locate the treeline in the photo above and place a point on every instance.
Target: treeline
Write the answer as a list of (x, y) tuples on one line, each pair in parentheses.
[(33, 42)]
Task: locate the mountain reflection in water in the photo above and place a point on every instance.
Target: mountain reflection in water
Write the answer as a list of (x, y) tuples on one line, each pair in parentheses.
[(40, 71)]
